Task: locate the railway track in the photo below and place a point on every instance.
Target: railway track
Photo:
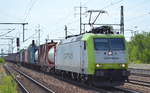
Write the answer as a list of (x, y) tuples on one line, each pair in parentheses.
[(119, 90), (26, 83), (93, 88), (140, 77), (140, 72), (103, 89), (114, 90), (99, 89), (139, 82)]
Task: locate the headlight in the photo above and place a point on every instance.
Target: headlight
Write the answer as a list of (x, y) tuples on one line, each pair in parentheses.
[(123, 65), (98, 65), (110, 53)]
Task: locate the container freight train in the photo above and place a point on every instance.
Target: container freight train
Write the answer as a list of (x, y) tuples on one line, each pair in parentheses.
[(97, 57)]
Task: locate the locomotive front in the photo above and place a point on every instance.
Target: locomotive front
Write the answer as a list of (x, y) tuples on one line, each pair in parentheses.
[(107, 58)]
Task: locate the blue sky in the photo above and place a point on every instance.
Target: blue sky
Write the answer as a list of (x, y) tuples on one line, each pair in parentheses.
[(52, 15)]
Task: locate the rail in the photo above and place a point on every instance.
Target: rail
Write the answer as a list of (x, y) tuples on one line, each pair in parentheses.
[(139, 82), (33, 80), (24, 90)]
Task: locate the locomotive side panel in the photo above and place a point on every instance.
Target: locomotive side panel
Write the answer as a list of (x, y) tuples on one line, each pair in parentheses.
[(68, 57)]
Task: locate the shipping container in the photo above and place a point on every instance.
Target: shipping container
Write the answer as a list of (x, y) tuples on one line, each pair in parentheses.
[(31, 53), (46, 54)]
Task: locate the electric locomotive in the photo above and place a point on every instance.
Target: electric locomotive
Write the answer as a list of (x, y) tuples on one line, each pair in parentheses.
[(97, 57)]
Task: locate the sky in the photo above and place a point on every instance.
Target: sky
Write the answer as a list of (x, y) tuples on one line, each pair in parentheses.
[(50, 17)]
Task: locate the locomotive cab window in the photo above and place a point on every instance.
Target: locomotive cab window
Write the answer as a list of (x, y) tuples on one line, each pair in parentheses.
[(109, 44), (101, 44), (117, 44)]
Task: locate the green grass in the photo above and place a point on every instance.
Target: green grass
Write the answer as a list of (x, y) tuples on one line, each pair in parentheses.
[(7, 85), (2, 60)]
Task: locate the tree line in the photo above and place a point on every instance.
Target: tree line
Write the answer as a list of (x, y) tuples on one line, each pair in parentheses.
[(139, 48)]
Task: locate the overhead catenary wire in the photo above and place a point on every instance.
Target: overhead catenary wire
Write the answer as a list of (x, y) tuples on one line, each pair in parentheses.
[(7, 32), (30, 37), (29, 10), (138, 5), (27, 7), (72, 22), (137, 17), (67, 23), (112, 4)]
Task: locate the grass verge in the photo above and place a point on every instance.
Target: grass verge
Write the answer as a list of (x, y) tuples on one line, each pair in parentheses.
[(7, 84)]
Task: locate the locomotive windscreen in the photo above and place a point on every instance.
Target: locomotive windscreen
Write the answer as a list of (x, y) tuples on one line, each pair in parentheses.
[(109, 44), (101, 44), (117, 44)]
